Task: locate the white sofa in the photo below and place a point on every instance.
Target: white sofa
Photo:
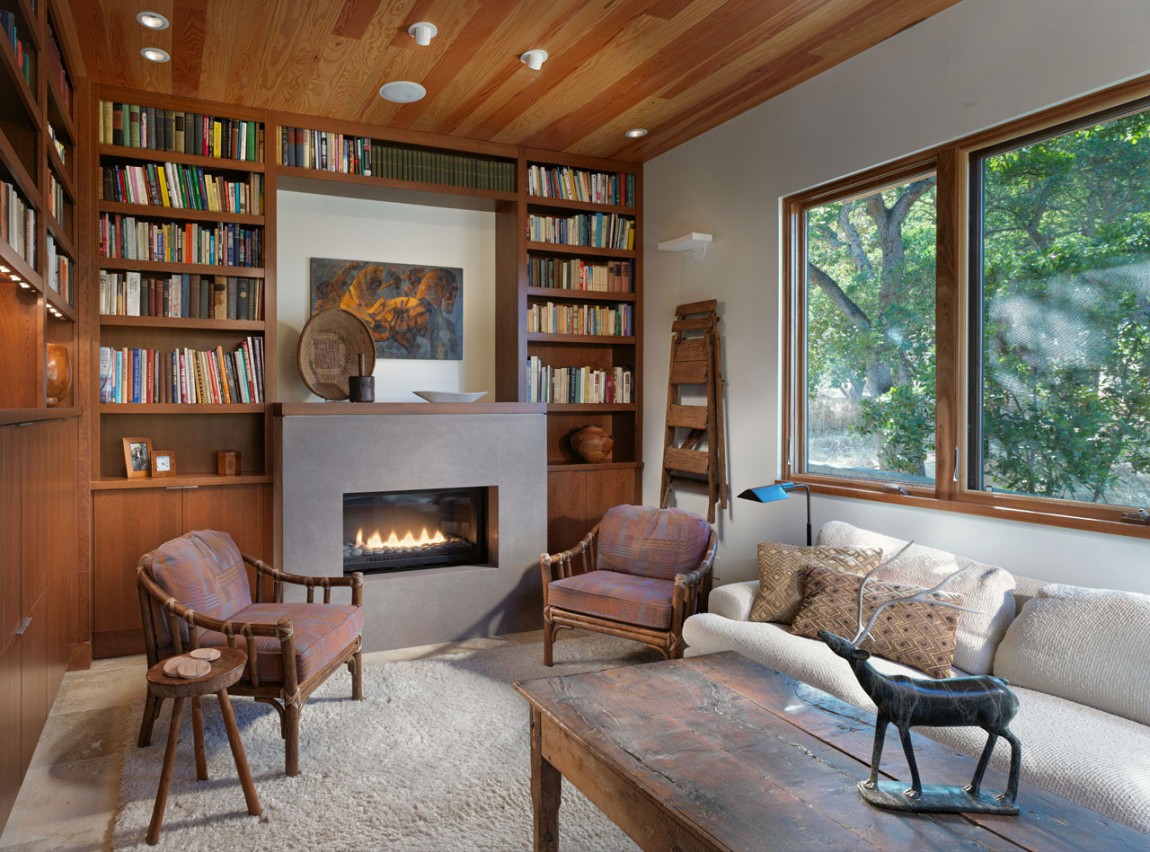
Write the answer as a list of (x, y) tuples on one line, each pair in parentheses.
[(1078, 659)]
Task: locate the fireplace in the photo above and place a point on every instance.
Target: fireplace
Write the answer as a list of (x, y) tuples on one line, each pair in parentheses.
[(407, 530)]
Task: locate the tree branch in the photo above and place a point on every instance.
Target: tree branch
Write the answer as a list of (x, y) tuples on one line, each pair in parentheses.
[(842, 301)]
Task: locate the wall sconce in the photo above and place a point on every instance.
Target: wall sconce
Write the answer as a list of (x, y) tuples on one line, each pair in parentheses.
[(781, 491), (695, 243), (534, 59), (423, 33)]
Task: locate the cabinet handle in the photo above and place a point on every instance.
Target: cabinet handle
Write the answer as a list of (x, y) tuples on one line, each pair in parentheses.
[(25, 623), (180, 487)]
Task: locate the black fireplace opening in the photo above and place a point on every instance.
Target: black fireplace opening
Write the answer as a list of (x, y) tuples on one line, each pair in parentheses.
[(405, 530)]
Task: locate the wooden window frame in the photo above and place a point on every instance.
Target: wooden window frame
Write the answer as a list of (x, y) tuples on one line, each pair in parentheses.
[(951, 165)]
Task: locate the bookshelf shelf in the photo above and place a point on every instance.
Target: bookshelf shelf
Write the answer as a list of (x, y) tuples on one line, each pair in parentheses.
[(165, 266), (585, 251), (149, 155), (180, 408), (592, 407), (113, 320), (581, 339), (158, 211), (578, 295), (178, 482)]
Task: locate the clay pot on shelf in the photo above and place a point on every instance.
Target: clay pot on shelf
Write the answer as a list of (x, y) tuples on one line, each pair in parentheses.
[(592, 444), (58, 371)]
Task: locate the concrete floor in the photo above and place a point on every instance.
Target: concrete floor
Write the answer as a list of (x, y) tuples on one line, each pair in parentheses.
[(69, 795)]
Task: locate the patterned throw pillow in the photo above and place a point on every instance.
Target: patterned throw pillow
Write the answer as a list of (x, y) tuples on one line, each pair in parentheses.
[(781, 570), (914, 633)]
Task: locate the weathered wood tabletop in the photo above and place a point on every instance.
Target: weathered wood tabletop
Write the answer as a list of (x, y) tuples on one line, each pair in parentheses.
[(719, 752)]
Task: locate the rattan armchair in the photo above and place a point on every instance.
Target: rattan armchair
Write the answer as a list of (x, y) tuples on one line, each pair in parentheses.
[(195, 592), (638, 574)]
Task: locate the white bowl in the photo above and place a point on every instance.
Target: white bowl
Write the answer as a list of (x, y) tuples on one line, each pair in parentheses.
[(449, 396)]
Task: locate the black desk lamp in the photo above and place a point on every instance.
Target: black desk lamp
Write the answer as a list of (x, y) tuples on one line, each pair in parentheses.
[(780, 491)]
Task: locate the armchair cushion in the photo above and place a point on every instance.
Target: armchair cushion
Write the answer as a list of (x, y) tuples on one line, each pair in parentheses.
[(205, 572), (322, 633), (645, 601), (646, 542)]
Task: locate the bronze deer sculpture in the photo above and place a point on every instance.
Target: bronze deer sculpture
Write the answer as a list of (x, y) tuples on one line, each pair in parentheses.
[(979, 700)]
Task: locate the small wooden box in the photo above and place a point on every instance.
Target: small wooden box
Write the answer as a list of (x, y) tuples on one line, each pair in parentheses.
[(228, 462)]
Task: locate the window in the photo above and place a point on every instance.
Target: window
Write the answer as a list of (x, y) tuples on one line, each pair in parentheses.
[(1061, 315), (869, 296), (1014, 384)]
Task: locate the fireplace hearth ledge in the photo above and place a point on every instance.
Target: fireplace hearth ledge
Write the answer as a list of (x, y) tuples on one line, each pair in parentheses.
[(325, 450)]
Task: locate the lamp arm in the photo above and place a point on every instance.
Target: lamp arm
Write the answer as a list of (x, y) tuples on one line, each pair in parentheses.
[(807, 489)]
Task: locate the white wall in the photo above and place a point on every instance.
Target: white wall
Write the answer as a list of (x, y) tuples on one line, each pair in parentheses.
[(975, 65), (359, 229)]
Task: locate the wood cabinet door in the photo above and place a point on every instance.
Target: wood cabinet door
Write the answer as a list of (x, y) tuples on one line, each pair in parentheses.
[(10, 520), (243, 511), (127, 524), (11, 766)]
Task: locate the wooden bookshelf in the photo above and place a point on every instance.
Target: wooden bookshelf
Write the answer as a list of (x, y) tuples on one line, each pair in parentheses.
[(40, 458)]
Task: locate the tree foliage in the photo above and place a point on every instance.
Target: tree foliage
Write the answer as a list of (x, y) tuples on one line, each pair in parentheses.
[(1065, 316)]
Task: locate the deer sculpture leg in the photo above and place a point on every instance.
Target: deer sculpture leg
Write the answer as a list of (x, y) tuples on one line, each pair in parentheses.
[(915, 791), (880, 725), (976, 781), (1015, 768)]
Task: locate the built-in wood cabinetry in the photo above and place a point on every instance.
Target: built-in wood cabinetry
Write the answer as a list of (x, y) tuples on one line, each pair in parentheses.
[(40, 457)]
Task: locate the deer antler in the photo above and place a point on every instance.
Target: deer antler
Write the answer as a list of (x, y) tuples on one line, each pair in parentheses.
[(923, 596)]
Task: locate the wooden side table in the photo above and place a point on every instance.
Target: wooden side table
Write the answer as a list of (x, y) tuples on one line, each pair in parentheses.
[(225, 671)]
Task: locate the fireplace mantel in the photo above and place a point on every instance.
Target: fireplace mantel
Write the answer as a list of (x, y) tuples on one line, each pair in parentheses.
[(313, 409), (324, 450)]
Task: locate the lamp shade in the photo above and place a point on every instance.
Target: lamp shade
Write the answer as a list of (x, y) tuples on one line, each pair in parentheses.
[(768, 493)]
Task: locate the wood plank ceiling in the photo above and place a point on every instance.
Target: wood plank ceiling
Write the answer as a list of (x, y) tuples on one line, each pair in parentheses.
[(675, 67)]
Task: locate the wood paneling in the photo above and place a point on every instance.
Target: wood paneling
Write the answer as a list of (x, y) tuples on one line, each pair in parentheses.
[(10, 517), (11, 767), (676, 67), (578, 498)]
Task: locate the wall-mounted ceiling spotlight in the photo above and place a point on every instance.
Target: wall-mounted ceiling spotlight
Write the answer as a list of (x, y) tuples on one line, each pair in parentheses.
[(423, 33), (154, 54), (636, 133), (534, 59), (152, 20)]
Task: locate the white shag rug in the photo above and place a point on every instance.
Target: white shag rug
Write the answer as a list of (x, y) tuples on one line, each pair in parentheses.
[(435, 758)]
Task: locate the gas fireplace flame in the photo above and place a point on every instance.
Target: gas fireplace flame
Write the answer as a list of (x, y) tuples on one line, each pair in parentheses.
[(375, 541)]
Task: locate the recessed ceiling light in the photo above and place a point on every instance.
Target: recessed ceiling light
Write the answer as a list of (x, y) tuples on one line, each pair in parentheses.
[(423, 33), (402, 92), (534, 59), (154, 54), (636, 133), (152, 20)]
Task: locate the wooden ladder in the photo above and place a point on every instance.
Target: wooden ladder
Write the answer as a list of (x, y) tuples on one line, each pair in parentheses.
[(694, 455)]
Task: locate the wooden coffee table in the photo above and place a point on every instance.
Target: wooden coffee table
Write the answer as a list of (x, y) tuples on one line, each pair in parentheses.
[(719, 752)]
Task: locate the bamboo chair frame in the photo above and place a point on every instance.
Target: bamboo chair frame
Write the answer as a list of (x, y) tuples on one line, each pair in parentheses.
[(690, 597), (287, 697)]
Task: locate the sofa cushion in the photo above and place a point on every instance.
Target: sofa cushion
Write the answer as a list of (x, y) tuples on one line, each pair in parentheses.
[(1086, 645), (649, 542), (984, 588), (645, 601), (915, 633), (782, 567)]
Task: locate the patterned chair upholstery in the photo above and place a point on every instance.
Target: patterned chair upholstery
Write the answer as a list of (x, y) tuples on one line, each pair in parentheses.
[(638, 574), (195, 592)]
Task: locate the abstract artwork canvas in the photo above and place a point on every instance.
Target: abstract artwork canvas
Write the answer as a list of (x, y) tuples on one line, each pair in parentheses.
[(412, 311)]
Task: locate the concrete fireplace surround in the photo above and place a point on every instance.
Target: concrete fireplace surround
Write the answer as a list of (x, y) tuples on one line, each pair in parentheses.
[(325, 450)]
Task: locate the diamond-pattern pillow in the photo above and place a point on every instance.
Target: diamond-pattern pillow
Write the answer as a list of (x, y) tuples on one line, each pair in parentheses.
[(781, 570), (914, 633)]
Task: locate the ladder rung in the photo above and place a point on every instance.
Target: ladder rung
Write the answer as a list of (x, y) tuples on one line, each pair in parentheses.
[(691, 461), (705, 306), (688, 416), (692, 349), (693, 324), (698, 483), (689, 373)]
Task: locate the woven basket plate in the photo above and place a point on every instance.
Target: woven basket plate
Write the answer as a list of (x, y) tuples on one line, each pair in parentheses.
[(329, 349)]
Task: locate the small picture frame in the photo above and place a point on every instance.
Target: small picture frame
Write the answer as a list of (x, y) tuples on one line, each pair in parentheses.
[(163, 463), (138, 457)]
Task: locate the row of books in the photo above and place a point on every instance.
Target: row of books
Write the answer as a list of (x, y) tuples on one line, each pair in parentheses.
[(57, 72), (599, 320), (159, 129), (190, 376), (58, 143), (24, 54), (224, 244), (186, 295), (577, 384), (597, 230), (574, 184), (183, 187), (362, 155), (18, 222), (61, 273), (577, 274), (55, 198)]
